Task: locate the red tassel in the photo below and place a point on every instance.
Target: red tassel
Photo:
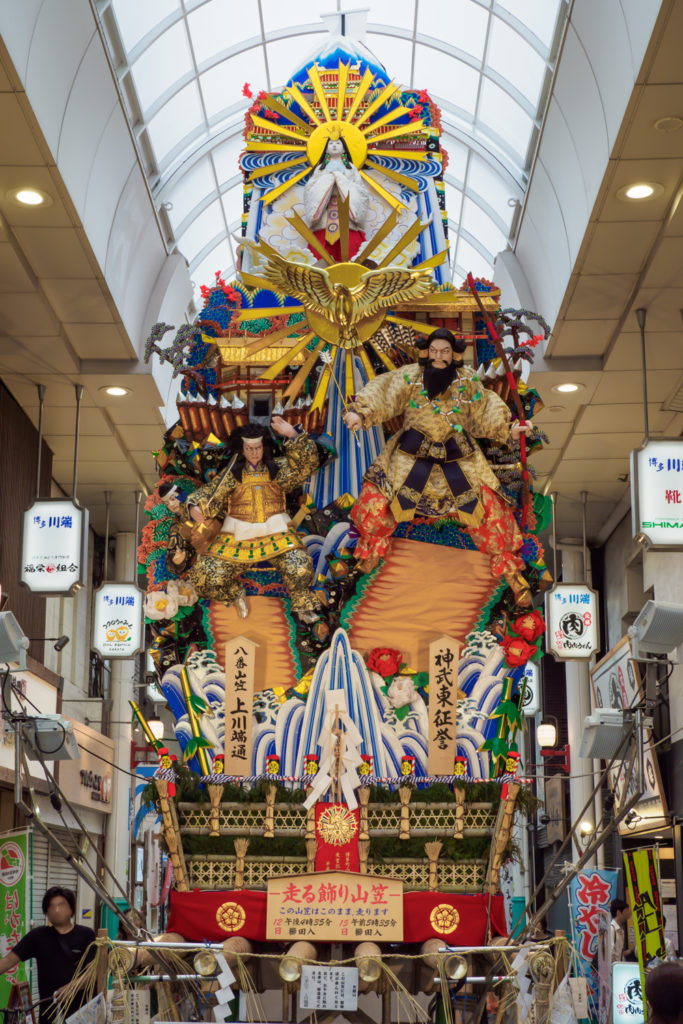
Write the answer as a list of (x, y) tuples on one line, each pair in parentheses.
[(246, 90)]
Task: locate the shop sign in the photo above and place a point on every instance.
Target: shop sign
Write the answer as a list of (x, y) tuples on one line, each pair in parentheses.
[(657, 494), (118, 620), (53, 547), (530, 683), (334, 906), (88, 781), (627, 994), (571, 614), (15, 902)]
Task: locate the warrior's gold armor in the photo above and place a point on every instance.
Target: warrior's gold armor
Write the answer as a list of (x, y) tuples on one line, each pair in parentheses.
[(256, 527)]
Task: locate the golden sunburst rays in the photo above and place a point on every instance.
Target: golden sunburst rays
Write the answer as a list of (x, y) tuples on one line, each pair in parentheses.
[(324, 115)]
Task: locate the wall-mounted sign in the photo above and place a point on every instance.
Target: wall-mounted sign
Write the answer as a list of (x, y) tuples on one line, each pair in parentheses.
[(616, 684), (118, 620), (571, 615), (657, 494), (328, 988), (54, 547), (88, 780)]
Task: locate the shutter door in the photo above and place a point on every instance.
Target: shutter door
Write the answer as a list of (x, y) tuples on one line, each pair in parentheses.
[(60, 871)]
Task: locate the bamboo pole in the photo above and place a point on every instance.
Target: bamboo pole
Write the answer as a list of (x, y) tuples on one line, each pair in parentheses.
[(433, 850), (172, 836)]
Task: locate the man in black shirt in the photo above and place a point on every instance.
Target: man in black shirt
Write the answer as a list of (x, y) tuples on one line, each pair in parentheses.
[(57, 949)]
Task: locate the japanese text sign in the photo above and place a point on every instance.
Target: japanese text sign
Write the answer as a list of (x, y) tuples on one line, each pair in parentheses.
[(15, 904), (328, 988), (571, 614), (642, 880), (657, 493), (240, 662), (53, 541), (117, 620), (590, 895), (444, 657), (627, 994), (335, 906)]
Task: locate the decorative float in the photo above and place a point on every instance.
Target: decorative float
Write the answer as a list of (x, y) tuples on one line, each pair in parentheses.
[(340, 564)]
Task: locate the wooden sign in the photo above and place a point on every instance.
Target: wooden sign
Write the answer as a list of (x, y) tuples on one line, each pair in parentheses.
[(334, 906), (444, 657), (240, 662)]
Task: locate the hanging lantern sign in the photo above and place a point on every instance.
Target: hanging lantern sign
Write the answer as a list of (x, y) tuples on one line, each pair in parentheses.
[(571, 615), (657, 494), (118, 620), (531, 702), (54, 547)]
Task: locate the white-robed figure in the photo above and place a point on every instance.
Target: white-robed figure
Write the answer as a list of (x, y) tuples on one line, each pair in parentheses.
[(335, 177)]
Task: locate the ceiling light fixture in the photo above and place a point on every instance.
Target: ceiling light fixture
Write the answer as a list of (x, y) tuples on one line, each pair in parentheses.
[(566, 389), (115, 390), (668, 124), (29, 197), (639, 190)]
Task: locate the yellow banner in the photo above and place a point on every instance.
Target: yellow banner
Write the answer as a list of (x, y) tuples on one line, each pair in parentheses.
[(642, 879)]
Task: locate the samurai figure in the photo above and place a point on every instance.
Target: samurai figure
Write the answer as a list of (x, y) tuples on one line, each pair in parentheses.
[(434, 467), (243, 515)]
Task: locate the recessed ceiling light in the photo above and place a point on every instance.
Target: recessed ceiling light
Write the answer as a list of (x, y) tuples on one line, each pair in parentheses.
[(555, 408), (29, 197), (668, 124), (115, 390), (639, 190), (567, 388)]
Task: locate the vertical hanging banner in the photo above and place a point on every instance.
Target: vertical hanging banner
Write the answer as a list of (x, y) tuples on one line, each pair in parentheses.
[(118, 621), (590, 895), (240, 663), (642, 879), (15, 908), (444, 657), (571, 615), (54, 539), (657, 494)]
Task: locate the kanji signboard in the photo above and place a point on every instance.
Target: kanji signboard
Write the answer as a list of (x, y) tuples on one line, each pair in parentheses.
[(335, 906), (444, 656), (240, 660), (328, 988), (117, 620), (571, 615), (657, 494), (53, 547)]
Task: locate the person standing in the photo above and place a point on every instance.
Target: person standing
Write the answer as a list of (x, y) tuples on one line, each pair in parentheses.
[(57, 948), (621, 913)]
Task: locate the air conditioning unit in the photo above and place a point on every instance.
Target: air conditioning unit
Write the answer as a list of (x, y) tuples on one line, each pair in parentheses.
[(603, 732), (51, 736), (658, 628)]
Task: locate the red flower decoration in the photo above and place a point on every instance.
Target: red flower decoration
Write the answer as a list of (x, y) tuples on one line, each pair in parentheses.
[(423, 96), (246, 90), (529, 626), (385, 661), (517, 651), (415, 112), (272, 115)]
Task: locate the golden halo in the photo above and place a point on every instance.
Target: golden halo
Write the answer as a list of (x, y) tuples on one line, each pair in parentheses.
[(444, 918), (230, 917), (352, 136)]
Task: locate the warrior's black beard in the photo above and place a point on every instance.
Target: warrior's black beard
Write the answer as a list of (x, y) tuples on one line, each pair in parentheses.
[(437, 380)]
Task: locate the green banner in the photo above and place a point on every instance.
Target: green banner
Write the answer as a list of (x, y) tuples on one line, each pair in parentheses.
[(15, 901)]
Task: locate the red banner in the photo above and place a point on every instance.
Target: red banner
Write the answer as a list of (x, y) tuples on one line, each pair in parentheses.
[(336, 836), (459, 920)]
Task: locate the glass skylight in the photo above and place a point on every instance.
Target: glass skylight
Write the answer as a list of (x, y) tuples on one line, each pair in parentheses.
[(192, 67)]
